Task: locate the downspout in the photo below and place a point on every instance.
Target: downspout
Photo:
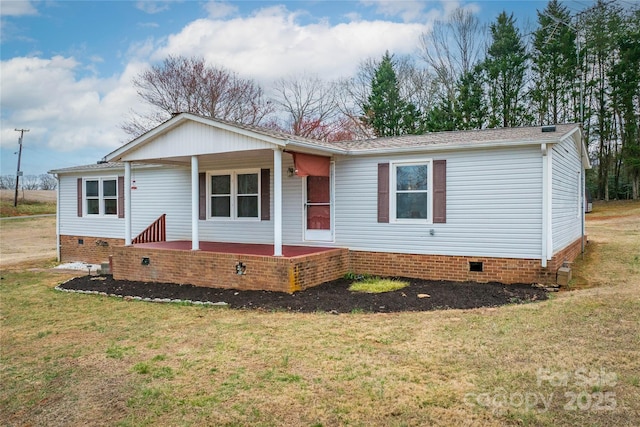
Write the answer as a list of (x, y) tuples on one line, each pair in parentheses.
[(545, 204), (583, 184), (58, 218)]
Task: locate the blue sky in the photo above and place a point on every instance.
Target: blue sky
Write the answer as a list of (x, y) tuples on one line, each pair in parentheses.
[(67, 66)]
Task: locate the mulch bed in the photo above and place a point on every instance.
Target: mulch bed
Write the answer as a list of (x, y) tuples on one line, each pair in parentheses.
[(333, 297)]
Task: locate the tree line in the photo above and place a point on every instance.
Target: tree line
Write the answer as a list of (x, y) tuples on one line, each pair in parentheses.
[(44, 181), (572, 68)]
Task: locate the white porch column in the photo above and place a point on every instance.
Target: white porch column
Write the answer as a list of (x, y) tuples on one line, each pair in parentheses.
[(195, 205), (127, 203), (277, 202)]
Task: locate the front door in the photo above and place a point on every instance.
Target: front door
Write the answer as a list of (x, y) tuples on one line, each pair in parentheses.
[(318, 209)]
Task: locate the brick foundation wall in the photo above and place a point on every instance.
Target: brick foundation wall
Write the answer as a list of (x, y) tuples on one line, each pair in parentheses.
[(568, 254), (442, 267), (210, 269), (94, 250), (457, 268), (293, 274)]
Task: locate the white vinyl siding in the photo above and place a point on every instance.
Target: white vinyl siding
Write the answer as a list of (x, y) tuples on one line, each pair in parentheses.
[(157, 191), (87, 225), (247, 230), (566, 198), (493, 206), (196, 139)]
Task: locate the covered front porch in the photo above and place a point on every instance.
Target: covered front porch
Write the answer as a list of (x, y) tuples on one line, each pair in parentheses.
[(230, 265)]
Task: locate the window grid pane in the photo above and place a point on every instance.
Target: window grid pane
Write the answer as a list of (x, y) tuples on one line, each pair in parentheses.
[(412, 205), (247, 206), (414, 177), (111, 206), (221, 184), (221, 206), (109, 188), (92, 188), (248, 184)]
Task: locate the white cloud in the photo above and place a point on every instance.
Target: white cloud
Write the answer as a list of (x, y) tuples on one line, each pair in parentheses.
[(219, 9), (64, 112), (17, 8), (271, 44), (408, 10), (153, 7), (68, 109)]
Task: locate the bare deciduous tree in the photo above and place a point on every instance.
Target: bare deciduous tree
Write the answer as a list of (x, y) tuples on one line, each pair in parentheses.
[(30, 182), (183, 84), (7, 182), (48, 182), (452, 48), (310, 106)]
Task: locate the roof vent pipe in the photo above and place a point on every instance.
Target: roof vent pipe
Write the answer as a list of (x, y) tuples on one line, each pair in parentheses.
[(548, 128)]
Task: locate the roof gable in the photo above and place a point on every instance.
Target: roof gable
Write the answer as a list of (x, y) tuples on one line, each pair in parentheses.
[(188, 134)]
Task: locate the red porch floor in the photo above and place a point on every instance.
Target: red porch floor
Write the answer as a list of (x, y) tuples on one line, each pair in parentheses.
[(236, 248)]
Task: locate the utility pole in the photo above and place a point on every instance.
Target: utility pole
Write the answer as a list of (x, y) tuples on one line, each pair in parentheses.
[(18, 173)]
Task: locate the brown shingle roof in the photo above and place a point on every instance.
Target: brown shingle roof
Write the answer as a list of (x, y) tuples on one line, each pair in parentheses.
[(456, 138)]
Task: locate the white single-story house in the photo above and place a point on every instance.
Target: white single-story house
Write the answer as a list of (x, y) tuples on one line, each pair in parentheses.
[(213, 203)]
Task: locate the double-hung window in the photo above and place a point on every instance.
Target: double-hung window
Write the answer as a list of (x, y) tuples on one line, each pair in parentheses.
[(235, 195), (411, 192), (101, 196)]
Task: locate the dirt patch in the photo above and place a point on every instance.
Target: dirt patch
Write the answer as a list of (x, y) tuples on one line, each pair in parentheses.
[(24, 240), (334, 297)]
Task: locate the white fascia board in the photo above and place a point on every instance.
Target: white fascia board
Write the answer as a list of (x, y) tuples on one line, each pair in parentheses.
[(89, 169), (450, 147), (311, 148), (576, 136)]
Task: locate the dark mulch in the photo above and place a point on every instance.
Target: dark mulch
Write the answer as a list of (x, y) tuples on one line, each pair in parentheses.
[(331, 297)]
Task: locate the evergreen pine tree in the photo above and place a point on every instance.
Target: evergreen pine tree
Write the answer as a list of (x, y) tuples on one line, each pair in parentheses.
[(506, 64), (386, 112), (554, 66)]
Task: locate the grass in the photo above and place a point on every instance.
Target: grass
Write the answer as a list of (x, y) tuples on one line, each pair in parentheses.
[(27, 207), (73, 359), (29, 203), (376, 285)]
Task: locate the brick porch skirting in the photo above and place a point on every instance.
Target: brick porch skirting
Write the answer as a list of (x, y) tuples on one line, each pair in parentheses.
[(222, 270)]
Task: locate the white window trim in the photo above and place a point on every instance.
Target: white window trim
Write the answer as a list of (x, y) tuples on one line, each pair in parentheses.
[(234, 194), (393, 189), (101, 199)]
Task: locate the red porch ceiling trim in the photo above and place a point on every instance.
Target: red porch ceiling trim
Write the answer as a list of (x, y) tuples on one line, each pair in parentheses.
[(311, 165)]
